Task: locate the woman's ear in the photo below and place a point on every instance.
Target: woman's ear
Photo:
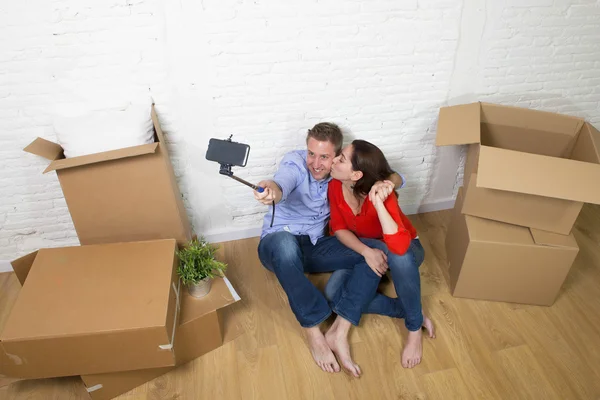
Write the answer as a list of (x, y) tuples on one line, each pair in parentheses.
[(356, 175)]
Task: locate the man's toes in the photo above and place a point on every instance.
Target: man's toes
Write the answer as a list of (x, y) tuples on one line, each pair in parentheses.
[(336, 367)]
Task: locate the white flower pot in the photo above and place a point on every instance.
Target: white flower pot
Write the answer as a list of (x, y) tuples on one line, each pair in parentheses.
[(201, 289)]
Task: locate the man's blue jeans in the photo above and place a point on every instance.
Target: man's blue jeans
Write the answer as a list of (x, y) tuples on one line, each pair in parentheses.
[(405, 275), (290, 256)]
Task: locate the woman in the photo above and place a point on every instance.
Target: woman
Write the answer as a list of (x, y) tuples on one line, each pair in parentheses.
[(359, 210)]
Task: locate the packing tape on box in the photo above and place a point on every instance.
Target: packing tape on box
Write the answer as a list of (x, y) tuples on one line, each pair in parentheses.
[(94, 388), (176, 289), (234, 294)]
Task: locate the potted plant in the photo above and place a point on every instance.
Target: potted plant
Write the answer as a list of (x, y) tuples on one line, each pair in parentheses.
[(198, 266)]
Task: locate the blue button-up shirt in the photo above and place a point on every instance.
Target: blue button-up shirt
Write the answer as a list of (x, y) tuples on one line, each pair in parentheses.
[(304, 208)]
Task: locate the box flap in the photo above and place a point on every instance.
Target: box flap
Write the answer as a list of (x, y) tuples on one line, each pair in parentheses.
[(530, 119), (486, 230), (554, 239), (459, 125), (44, 148), (538, 175), (22, 265), (89, 289), (100, 157), (157, 127), (192, 308), (590, 139)]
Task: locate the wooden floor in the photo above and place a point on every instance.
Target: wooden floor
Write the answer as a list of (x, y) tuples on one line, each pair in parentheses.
[(483, 350)]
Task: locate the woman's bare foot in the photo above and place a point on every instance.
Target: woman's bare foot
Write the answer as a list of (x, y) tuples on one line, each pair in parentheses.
[(428, 325), (337, 339), (413, 351), (320, 350)]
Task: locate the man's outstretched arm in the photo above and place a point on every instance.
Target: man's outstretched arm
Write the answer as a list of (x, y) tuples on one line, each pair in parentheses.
[(286, 179), (271, 193)]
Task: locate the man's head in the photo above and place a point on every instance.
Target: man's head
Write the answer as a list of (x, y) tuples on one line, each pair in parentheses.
[(324, 143)]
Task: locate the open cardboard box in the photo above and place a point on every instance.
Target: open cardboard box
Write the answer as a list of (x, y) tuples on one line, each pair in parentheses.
[(93, 309), (524, 167), (201, 329), (122, 195), (492, 260)]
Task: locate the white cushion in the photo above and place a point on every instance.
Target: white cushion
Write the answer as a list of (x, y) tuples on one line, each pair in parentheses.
[(82, 132)]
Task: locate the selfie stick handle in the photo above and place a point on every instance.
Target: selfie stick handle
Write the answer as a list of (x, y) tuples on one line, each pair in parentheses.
[(257, 188)]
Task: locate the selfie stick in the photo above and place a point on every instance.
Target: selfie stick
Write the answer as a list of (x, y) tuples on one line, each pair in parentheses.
[(226, 170)]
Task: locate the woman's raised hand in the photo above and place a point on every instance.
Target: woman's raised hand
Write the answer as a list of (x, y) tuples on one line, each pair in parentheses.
[(380, 191)]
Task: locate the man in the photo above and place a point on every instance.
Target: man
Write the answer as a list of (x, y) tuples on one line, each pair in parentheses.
[(296, 243)]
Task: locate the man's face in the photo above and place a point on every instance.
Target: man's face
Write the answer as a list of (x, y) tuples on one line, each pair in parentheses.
[(319, 158)]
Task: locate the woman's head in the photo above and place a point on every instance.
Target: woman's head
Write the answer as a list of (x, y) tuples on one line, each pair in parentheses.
[(361, 163)]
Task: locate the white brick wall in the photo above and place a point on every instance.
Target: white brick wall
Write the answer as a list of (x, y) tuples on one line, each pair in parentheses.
[(266, 71)]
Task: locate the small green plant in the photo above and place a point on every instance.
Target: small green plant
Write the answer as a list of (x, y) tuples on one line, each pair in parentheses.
[(197, 262)]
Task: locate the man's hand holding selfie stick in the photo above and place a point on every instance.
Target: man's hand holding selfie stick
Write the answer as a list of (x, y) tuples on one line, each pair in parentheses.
[(271, 193)]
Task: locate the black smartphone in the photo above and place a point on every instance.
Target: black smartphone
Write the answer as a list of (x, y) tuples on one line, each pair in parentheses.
[(226, 152)]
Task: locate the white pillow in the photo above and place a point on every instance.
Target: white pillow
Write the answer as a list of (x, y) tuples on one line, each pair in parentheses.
[(87, 132)]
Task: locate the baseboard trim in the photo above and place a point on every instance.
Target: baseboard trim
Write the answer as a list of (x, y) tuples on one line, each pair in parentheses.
[(232, 234), (5, 266), (446, 204), (245, 233)]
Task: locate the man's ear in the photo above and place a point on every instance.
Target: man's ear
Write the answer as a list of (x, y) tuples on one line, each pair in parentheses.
[(356, 175)]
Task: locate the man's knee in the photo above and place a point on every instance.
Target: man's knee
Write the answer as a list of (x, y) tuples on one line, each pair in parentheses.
[(279, 249)]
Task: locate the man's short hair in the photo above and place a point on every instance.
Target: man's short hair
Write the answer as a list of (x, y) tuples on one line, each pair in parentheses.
[(327, 132)]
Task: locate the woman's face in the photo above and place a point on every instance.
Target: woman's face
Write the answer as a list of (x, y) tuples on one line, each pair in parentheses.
[(341, 169)]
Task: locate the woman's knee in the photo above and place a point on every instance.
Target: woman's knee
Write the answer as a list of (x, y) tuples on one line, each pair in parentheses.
[(402, 264), (376, 244), (335, 283)]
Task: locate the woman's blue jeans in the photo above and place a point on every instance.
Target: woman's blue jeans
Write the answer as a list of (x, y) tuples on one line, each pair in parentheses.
[(407, 281), (291, 256)]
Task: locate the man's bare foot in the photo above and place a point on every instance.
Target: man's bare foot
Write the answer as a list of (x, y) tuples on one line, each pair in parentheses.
[(320, 350), (337, 339), (413, 351)]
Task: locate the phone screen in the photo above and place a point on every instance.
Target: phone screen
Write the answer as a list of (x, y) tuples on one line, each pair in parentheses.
[(225, 152)]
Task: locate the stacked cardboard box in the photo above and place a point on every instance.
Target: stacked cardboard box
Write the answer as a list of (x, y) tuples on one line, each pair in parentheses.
[(527, 175), (112, 310)]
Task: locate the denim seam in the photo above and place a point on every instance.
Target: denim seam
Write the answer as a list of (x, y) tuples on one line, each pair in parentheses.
[(321, 320), (336, 310)]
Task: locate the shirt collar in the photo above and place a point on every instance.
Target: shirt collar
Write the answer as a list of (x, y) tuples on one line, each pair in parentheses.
[(324, 180)]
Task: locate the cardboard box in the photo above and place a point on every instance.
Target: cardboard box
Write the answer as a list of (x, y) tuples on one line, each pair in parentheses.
[(200, 331), (491, 260), (93, 309), (122, 195), (533, 168)]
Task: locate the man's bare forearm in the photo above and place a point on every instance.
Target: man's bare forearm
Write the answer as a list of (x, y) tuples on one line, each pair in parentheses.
[(396, 179)]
